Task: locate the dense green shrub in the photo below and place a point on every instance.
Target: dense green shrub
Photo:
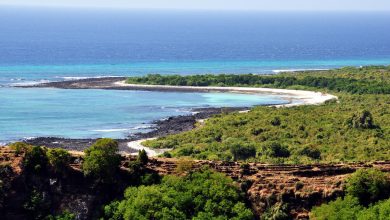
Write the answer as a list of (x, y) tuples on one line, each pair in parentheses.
[(199, 195), (35, 160), (239, 149), (311, 152), (340, 209), (59, 159), (350, 209), (368, 185), (275, 150), (380, 211), (364, 188), (150, 179), (276, 121), (364, 120), (102, 159), (142, 157)]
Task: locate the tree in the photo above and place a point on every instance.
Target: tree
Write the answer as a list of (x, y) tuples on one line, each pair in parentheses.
[(143, 157), (59, 159), (311, 152), (276, 121), (239, 149), (340, 209), (199, 195), (276, 150), (364, 120), (379, 211), (35, 160), (102, 160), (368, 185)]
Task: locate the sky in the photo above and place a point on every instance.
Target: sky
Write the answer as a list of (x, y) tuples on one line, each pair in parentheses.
[(263, 5)]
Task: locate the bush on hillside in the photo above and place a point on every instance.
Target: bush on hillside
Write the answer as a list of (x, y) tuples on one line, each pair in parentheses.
[(311, 152), (35, 160), (102, 159), (368, 185), (239, 149), (199, 195), (275, 149), (142, 157), (363, 120), (59, 159), (364, 188), (340, 209)]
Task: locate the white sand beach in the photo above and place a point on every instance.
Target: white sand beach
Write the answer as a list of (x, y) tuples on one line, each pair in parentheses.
[(295, 98), (136, 145)]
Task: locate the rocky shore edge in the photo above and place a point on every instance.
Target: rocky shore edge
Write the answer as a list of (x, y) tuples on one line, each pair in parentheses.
[(171, 125)]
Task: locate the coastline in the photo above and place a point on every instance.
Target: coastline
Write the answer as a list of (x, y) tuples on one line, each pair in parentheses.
[(295, 97), (172, 125)]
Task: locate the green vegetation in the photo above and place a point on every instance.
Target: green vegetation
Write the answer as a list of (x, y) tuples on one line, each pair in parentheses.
[(37, 204), (20, 147), (66, 215), (198, 195), (59, 159), (368, 186), (356, 128), (142, 157), (278, 211), (367, 80), (35, 160), (102, 160), (364, 188)]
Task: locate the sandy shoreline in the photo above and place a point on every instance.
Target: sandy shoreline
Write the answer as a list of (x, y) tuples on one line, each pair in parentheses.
[(293, 98)]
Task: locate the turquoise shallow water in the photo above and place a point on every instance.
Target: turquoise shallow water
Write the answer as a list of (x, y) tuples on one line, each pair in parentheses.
[(28, 113)]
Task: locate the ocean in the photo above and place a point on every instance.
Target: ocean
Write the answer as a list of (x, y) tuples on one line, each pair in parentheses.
[(40, 45)]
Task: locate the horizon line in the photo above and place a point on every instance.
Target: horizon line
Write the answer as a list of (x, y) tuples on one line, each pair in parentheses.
[(80, 7)]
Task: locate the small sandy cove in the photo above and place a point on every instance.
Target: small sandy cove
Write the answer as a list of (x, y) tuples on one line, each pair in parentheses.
[(295, 98)]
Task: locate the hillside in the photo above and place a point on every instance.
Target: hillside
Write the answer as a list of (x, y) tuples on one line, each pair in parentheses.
[(264, 187), (356, 128)]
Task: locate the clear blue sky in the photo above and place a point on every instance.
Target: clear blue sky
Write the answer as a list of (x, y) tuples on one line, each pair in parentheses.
[(344, 5)]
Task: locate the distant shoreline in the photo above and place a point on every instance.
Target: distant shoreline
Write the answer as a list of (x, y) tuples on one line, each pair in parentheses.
[(294, 97), (172, 125)]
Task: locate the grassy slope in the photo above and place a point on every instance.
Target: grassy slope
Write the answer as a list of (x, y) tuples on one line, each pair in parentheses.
[(321, 128)]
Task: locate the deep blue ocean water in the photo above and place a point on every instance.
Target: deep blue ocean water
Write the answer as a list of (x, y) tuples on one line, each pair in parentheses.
[(56, 44)]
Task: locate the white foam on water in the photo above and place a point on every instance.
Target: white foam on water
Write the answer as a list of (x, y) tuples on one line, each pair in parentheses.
[(30, 83), (83, 77), (111, 130), (141, 127), (295, 70)]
